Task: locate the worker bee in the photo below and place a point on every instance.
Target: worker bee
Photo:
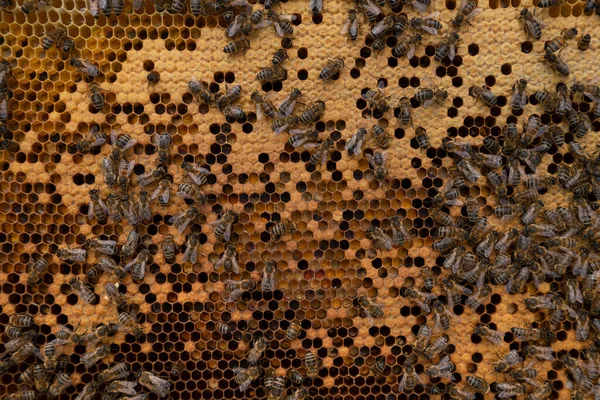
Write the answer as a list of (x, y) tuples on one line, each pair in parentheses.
[(97, 207), (15, 344), (331, 69), (182, 220), (235, 289), (82, 291), (422, 138), (73, 255), (54, 36), (354, 144), (240, 45), (427, 23), (271, 74), (191, 252), (557, 64), (443, 369), (384, 26), (283, 228), (137, 266), (313, 112), (117, 371), (506, 389), (582, 330), (519, 97), (129, 209), (491, 335), (410, 378), (533, 26), (159, 386), (584, 42), (371, 309), (37, 271), (283, 27), (427, 96), (149, 177), (195, 172), (541, 392), (468, 10), (406, 46), (223, 328), (468, 171), (540, 352), (89, 391), (108, 265), (177, 369), (168, 247), (245, 376), (423, 336), (123, 387), (162, 142), (459, 394), (313, 364), (556, 45), (351, 26), (370, 9), (254, 355), (399, 233), (454, 291), (201, 91), (284, 123), (85, 67), (379, 239), (30, 6), (479, 297), (60, 384), (108, 247), (263, 106), (478, 384), (144, 210), (113, 294), (239, 25), (130, 324), (91, 358), (223, 225), (304, 137), (228, 260), (484, 93), (377, 161), (293, 331), (447, 47), (269, 282), (443, 316)]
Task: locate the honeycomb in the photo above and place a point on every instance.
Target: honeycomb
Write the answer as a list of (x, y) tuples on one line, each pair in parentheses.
[(327, 263)]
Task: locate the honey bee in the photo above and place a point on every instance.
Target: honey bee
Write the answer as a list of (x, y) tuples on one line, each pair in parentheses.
[(428, 96), (37, 271), (245, 376), (138, 265), (478, 384), (23, 395), (557, 64), (191, 252), (283, 228), (89, 391), (519, 98), (269, 281), (105, 6), (399, 233), (177, 368), (129, 323), (313, 112), (85, 67), (236, 46), (238, 26), (263, 106), (200, 91), (108, 247), (228, 260), (354, 144), (91, 358), (454, 259), (379, 239), (53, 36), (443, 369), (448, 196), (479, 297), (223, 225), (351, 26), (459, 394), (162, 142), (468, 10), (484, 93), (427, 23), (223, 328), (182, 220), (313, 364), (168, 247), (541, 392), (369, 8), (410, 378), (60, 384), (406, 46), (423, 336), (447, 47), (254, 355), (491, 335), (159, 386), (108, 265), (384, 26), (284, 123), (443, 316), (293, 331), (556, 45), (539, 352), (113, 294), (304, 137), (235, 289), (123, 387), (371, 309), (196, 173), (82, 291), (117, 371), (283, 27), (6, 5), (377, 161), (271, 74), (454, 291), (6, 144), (149, 177), (422, 138), (30, 6)]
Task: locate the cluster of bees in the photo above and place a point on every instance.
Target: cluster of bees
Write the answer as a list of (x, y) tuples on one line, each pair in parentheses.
[(535, 244)]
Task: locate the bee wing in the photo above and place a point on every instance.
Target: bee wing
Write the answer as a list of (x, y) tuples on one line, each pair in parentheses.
[(432, 15), (113, 136), (129, 144), (259, 112), (191, 254), (427, 103), (423, 306), (309, 145), (156, 193), (419, 7), (234, 295), (90, 213), (452, 55), (281, 129), (433, 31), (474, 13), (227, 234), (371, 7), (351, 142), (235, 265), (290, 106), (164, 198), (99, 142), (279, 30), (345, 27), (183, 225), (402, 382), (245, 385), (220, 262), (263, 24), (234, 28)]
